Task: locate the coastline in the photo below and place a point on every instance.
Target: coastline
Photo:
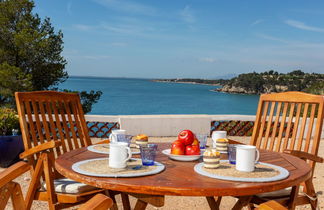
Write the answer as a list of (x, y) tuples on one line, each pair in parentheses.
[(183, 82)]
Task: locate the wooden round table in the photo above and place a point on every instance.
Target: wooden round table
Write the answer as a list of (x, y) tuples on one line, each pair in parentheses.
[(179, 178)]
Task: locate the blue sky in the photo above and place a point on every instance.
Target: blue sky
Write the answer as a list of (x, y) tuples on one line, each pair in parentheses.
[(197, 39)]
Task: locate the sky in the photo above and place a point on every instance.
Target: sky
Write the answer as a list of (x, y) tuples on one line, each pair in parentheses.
[(187, 39)]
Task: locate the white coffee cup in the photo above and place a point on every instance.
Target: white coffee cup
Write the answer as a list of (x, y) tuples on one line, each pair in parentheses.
[(113, 135), (119, 154), (218, 135), (246, 157)]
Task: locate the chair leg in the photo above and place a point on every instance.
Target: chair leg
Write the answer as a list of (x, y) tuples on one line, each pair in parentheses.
[(34, 184), (310, 192), (293, 197), (17, 198), (242, 201), (140, 205), (125, 200), (213, 205), (49, 183)]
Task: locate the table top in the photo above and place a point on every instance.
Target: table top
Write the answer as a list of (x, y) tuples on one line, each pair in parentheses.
[(179, 178)]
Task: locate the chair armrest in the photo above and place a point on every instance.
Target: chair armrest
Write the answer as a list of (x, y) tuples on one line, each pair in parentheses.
[(13, 172), (304, 155), (106, 141), (230, 141), (39, 148)]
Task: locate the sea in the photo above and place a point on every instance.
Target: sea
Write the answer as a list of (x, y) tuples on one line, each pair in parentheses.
[(128, 96)]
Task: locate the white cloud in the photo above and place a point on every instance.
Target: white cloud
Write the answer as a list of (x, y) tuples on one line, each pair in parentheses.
[(208, 60), (257, 22), (303, 26), (83, 27), (187, 14), (127, 6), (69, 8)]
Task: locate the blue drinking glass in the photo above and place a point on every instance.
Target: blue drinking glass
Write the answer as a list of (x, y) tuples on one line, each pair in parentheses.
[(231, 149), (148, 153)]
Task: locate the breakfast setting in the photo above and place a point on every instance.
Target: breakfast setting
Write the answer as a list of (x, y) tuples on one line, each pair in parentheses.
[(134, 156)]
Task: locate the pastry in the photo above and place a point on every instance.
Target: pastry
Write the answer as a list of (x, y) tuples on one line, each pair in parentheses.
[(141, 139), (221, 145), (211, 158)]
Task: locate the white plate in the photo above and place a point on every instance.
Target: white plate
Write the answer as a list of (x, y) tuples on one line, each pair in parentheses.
[(181, 157), (283, 173), (75, 167), (93, 149)]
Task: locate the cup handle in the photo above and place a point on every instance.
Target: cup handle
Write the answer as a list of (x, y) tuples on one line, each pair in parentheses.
[(111, 138), (129, 152), (258, 155)]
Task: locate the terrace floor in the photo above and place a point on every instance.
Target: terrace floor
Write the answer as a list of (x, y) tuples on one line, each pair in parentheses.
[(174, 202)]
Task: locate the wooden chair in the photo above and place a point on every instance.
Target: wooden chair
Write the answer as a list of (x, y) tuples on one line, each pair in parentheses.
[(271, 205), (290, 122), (9, 188), (52, 123)]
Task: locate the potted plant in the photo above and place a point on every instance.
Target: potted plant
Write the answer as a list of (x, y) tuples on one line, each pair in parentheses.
[(11, 144)]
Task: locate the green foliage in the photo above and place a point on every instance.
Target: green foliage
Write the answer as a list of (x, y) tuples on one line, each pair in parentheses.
[(8, 121), (30, 53), (316, 88), (30, 44), (270, 81), (12, 79)]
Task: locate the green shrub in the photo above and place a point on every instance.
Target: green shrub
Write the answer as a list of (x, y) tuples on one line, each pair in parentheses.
[(8, 121)]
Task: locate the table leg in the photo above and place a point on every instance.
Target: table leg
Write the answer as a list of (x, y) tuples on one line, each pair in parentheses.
[(242, 201), (213, 204), (140, 205), (125, 200)]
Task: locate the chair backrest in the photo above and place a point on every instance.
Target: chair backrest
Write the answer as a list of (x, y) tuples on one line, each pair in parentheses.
[(49, 115), (289, 120)]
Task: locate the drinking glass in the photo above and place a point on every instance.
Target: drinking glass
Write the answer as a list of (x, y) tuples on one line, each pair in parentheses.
[(232, 153), (148, 153), (202, 138), (124, 138)]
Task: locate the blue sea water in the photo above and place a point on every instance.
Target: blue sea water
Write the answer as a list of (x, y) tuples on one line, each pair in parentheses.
[(122, 96)]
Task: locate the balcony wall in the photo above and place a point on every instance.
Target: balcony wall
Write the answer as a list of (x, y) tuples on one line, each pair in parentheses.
[(166, 125)]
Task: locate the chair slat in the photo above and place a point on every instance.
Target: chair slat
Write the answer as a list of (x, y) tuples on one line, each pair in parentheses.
[(269, 124), (52, 125), (281, 129), (302, 128), (310, 128), (38, 121), (296, 126), (264, 118), (275, 126), (288, 129), (71, 123), (30, 124), (59, 126), (65, 125), (77, 124)]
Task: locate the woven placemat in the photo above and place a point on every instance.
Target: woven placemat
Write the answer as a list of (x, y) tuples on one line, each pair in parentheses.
[(264, 172), (104, 148), (100, 167), (227, 169)]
